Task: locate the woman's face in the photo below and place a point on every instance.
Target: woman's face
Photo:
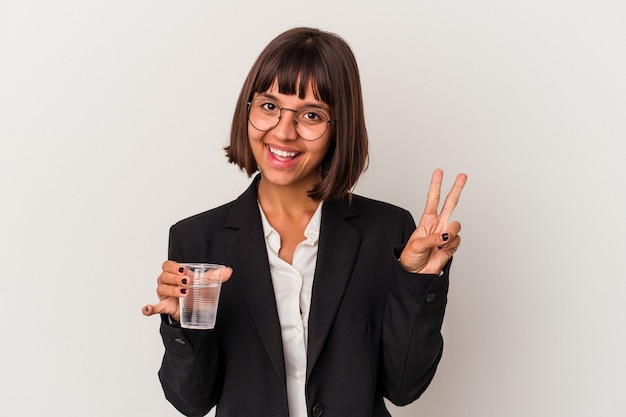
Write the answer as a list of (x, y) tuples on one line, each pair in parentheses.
[(283, 157)]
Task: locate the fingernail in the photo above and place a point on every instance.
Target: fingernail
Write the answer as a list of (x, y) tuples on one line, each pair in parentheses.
[(183, 290), (181, 269), (184, 281), (445, 237)]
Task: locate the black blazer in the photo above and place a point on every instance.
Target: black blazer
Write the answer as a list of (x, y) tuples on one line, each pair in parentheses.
[(374, 329)]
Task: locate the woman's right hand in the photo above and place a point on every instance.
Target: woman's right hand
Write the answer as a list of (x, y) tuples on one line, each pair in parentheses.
[(172, 284)]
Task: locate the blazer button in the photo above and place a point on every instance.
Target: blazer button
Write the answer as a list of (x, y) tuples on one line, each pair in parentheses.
[(431, 297), (318, 409)]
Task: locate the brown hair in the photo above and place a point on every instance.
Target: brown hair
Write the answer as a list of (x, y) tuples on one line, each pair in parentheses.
[(293, 59)]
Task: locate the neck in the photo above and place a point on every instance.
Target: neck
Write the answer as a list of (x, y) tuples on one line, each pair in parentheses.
[(285, 199)]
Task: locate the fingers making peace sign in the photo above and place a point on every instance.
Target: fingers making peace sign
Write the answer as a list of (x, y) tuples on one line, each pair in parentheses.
[(435, 240)]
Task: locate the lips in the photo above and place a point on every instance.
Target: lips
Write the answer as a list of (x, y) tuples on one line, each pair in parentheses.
[(282, 154)]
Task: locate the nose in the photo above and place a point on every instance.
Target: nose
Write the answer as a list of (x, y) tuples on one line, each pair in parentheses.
[(286, 127)]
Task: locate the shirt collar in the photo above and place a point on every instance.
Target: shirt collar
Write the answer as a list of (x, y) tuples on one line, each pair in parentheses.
[(311, 232)]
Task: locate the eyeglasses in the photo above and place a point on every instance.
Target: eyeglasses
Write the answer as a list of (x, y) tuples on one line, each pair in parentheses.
[(311, 123)]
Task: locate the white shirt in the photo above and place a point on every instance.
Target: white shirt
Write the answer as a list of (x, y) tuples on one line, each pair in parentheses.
[(292, 288)]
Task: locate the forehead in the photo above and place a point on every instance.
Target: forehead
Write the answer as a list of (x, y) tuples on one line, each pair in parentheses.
[(308, 93), (294, 77)]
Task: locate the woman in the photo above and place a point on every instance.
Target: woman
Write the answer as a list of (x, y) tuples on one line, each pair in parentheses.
[(334, 301)]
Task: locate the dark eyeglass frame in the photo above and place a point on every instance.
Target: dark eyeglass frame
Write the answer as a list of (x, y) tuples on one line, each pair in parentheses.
[(295, 120)]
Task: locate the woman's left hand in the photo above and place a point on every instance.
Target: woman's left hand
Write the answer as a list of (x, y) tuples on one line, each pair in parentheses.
[(434, 241)]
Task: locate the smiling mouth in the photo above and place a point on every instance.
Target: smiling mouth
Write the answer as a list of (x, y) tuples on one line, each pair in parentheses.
[(282, 154)]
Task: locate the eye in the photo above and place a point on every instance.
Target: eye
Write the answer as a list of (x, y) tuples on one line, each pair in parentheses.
[(312, 116), (266, 105)]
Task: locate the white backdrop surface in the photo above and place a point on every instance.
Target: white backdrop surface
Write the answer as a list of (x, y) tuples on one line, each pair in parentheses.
[(112, 119)]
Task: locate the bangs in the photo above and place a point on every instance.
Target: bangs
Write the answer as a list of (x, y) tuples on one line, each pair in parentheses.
[(293, 69)]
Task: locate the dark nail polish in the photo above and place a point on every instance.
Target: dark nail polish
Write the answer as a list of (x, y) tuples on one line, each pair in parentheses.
[(183, 290), (181, 269), (445, 237), (184, 281)]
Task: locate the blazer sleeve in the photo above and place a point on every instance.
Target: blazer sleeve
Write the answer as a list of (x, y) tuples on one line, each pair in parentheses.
[(412, 341), (189, 372)]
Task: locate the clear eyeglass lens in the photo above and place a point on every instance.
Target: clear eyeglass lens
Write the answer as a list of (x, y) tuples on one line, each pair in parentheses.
[(311, 123)]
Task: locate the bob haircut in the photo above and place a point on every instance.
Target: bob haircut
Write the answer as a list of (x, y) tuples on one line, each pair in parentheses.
[(292, 60)]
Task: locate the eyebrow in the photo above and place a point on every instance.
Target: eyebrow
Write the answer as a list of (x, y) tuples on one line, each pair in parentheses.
[(317, 105)]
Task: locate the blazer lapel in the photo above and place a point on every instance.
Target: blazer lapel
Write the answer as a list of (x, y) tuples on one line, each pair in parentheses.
[(246, 248), (338, 246)]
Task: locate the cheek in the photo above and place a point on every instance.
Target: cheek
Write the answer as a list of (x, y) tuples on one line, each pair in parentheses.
[(327, 149), (255, 140), (255, 146), (253, 134)]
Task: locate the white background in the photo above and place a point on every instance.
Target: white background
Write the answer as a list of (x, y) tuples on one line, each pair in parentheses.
[(112, 119)]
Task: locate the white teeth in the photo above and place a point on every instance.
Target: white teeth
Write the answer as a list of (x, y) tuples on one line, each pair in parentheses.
[(283, 154)]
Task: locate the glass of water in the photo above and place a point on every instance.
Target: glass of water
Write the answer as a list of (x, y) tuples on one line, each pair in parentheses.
[(198, 309)]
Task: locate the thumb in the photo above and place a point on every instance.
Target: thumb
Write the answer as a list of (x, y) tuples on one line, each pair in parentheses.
[(226, 273), (441, 239), (435, 240), (151, 309)]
